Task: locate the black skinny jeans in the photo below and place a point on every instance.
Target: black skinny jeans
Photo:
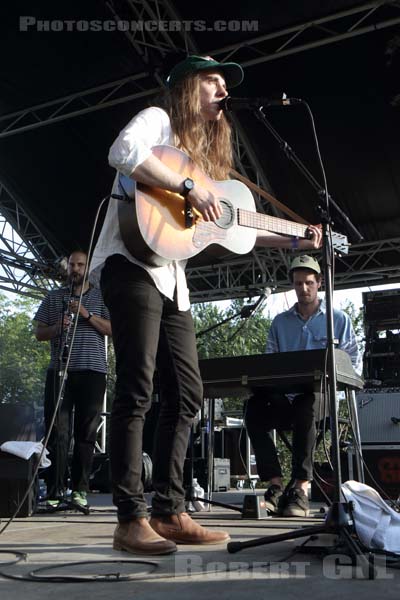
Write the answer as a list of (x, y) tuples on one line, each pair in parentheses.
[(83, 394), (265, 412), (148, 329)]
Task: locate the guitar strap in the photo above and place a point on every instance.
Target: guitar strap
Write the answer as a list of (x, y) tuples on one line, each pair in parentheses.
[(282, 207)]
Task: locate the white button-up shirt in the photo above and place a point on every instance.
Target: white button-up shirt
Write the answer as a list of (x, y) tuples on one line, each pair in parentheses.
[(132, 147)]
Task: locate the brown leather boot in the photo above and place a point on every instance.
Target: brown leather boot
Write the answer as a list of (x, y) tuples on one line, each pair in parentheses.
[(138, 537), (183, 530)]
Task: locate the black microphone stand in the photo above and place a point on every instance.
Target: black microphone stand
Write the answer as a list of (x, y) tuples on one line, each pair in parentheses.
[(245, 312), (339, 520)]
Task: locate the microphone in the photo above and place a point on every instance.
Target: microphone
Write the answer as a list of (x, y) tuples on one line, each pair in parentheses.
[(250, 308), (56, 269), (232, 104), (267, 292)]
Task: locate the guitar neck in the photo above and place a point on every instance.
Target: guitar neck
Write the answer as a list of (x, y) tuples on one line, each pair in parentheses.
[(256, 220)]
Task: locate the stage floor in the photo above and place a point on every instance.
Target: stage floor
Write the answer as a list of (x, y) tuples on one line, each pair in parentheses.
[(77, 545)]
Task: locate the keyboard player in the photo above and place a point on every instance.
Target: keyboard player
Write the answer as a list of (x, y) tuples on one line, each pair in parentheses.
[(302, 327)]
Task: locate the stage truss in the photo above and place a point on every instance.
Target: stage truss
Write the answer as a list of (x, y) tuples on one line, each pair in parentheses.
[(29, 262)]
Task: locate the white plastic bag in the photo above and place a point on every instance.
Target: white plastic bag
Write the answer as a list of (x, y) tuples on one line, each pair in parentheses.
[(376, 523), (198, 492)]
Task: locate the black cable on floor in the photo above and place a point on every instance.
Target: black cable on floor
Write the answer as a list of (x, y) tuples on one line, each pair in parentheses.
[(109, 577)]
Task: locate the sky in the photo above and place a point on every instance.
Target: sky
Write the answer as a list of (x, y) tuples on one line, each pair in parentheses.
[(279, 302)]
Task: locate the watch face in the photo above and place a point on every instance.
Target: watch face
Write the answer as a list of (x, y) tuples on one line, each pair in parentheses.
[(188, 185)]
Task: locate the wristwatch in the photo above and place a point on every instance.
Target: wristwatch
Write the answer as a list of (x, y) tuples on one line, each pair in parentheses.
[(90, 315), (188, 185)]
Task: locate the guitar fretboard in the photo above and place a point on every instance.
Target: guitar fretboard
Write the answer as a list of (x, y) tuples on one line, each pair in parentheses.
[(255, 220)]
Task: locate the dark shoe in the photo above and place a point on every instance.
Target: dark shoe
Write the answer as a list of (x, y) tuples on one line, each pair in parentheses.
[(272, 496), (294, 503), (52, 502), (79, 498), (183, 530), (137, 537)]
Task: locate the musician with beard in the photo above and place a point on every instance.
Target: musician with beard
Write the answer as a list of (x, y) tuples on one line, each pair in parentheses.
[(86, 377), (149, 303)]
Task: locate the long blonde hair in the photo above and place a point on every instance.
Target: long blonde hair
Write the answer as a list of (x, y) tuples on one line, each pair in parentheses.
[(208, 143)]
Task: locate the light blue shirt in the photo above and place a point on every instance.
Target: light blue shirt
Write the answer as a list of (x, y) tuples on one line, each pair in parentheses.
[(290, 332)]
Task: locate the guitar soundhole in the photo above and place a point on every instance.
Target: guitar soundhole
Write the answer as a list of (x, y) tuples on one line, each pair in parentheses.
[(228, 215)]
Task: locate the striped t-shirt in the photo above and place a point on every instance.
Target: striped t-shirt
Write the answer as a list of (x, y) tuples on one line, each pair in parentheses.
[(88, 350)]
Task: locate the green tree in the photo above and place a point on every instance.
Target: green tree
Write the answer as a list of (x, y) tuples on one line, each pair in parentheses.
[(224, 332), (23, 361), (357, 319), (236, 337)]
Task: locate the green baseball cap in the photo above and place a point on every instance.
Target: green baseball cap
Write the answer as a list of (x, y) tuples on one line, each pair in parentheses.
[(232, 72), (305, 262)]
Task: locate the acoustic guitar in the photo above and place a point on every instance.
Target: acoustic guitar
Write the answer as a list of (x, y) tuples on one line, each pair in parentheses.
[(158, 226)]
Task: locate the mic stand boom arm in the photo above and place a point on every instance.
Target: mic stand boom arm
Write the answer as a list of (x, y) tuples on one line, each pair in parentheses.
[(246, 311), (292, 156)]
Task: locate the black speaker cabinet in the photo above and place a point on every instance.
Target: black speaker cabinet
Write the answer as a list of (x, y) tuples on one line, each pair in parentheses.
[(17, 422), (381, 471), (100, 478), (15, 476), (230, 443), (324, 479), (200, 472), (383, 468)]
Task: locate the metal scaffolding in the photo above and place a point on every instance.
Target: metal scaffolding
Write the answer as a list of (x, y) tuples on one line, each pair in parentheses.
[(27, 257), (29, 264), (365, 265)]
